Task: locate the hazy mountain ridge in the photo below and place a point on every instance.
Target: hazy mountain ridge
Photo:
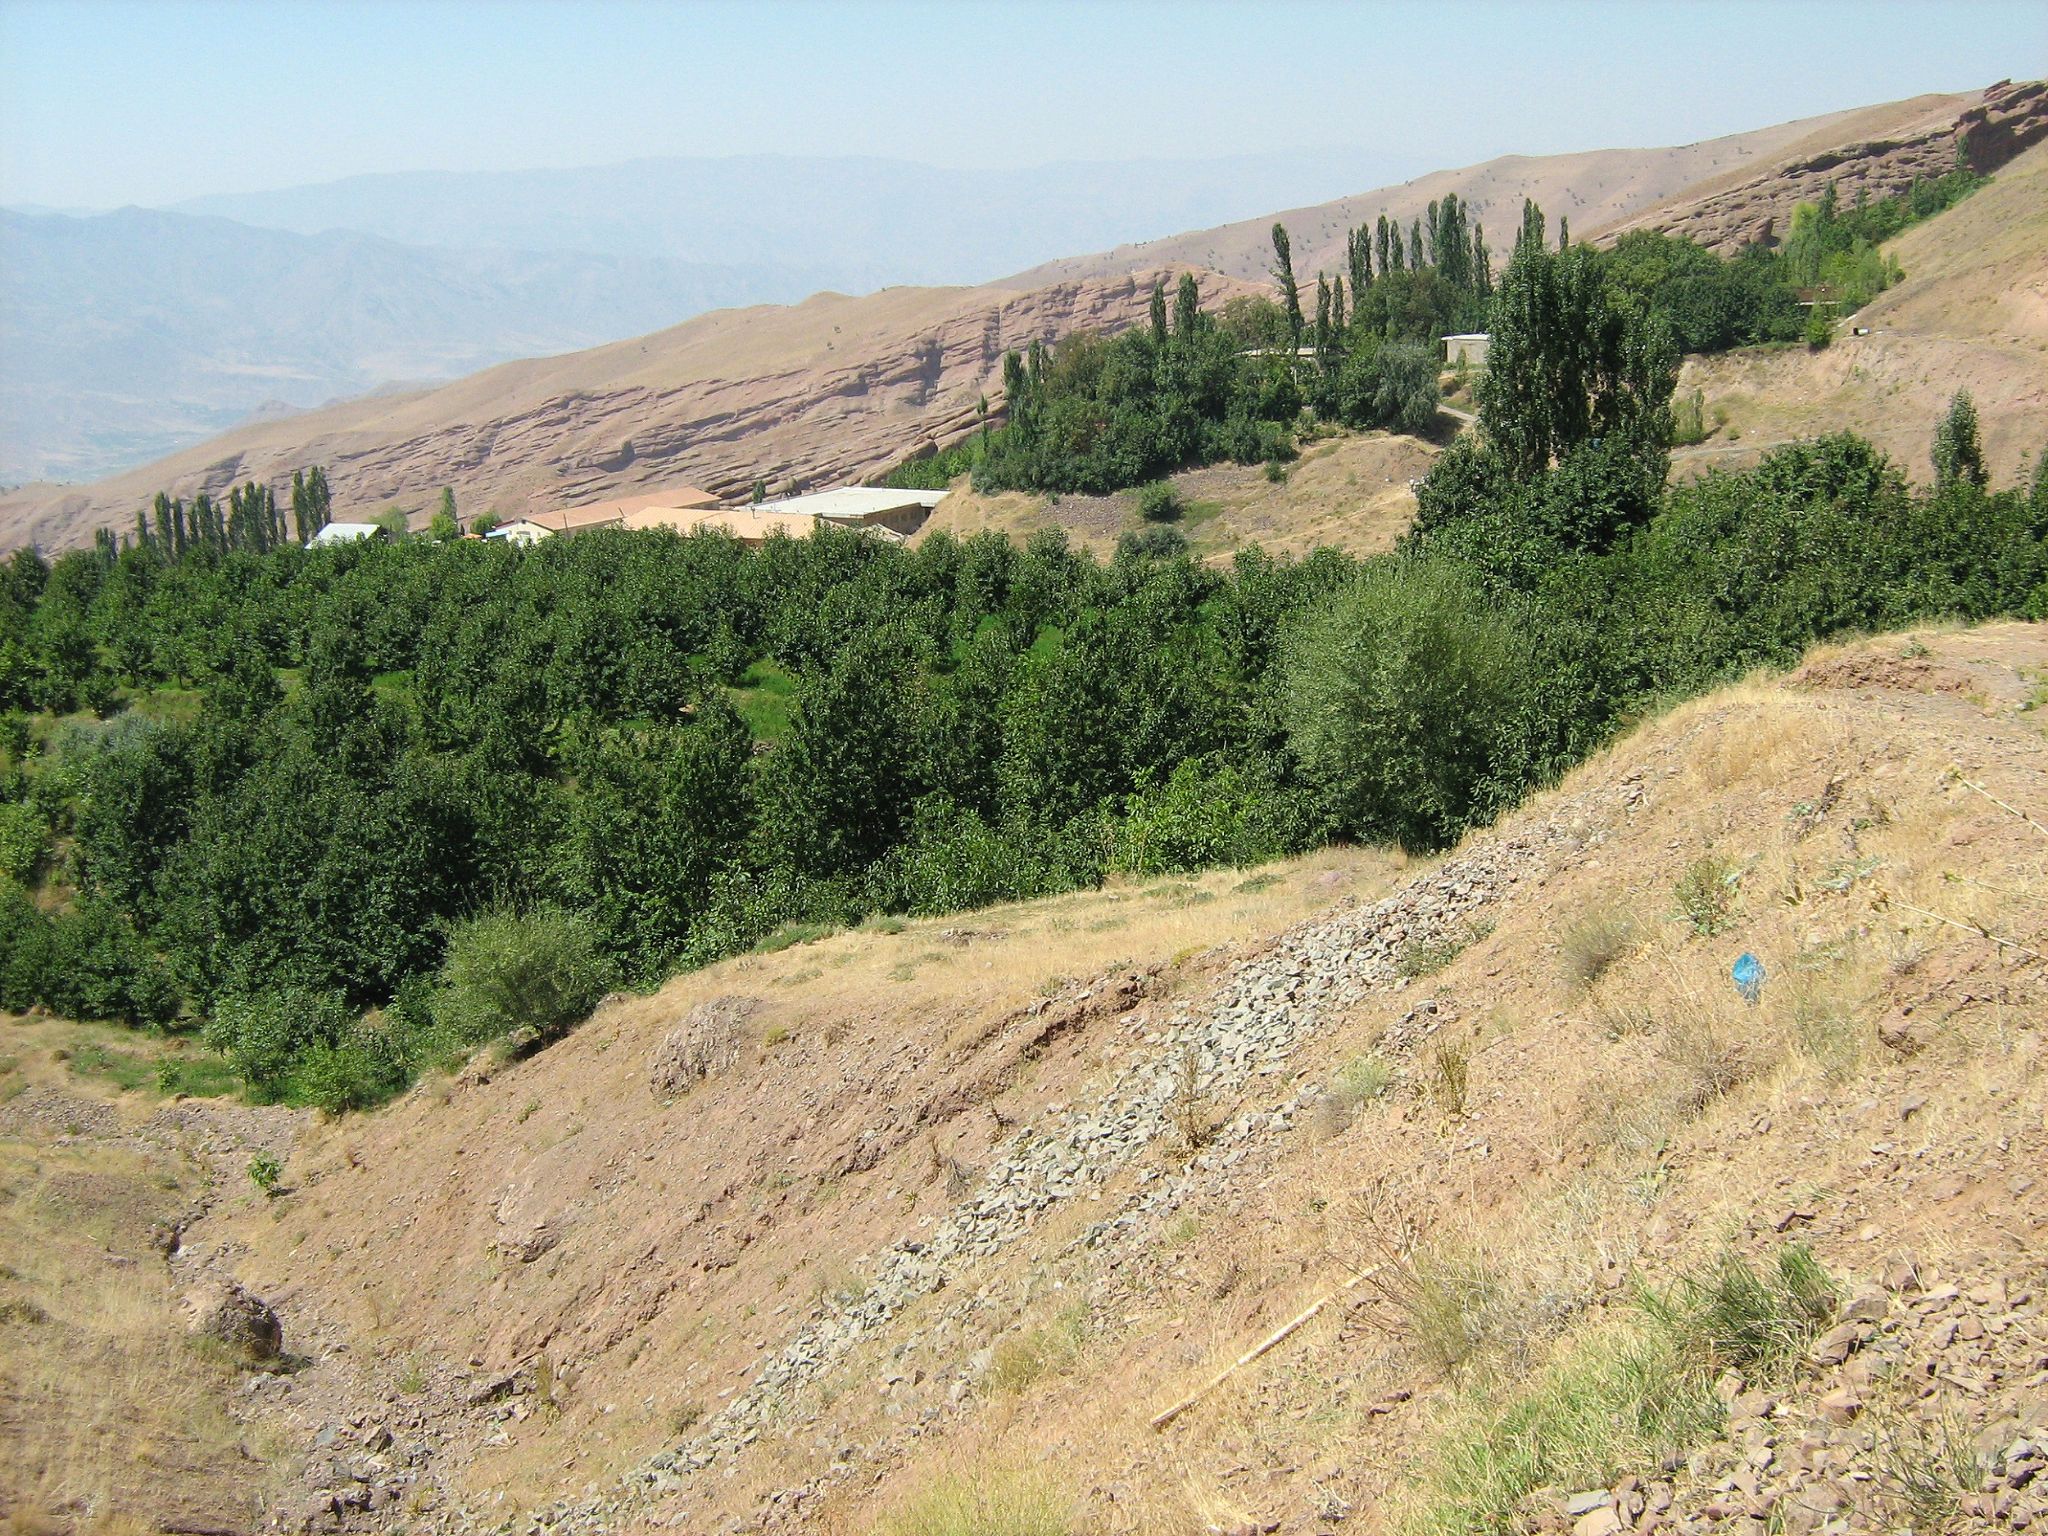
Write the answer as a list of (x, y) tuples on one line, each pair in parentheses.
[(132, 333)]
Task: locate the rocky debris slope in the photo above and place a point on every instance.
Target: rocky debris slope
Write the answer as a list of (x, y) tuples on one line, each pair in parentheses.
[(1758, 208), (1221, 1048)]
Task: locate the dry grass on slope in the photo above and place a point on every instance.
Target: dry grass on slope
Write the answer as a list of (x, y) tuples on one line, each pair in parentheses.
[(1347, 491), (1628, 1117), (560, 1216), (111, 1420), (1515, 1114)]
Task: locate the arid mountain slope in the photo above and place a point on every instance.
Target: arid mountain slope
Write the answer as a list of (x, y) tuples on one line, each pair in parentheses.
[(1746, 205), (820, 391), (1591, 189), (1972, 313), (813, 1238)]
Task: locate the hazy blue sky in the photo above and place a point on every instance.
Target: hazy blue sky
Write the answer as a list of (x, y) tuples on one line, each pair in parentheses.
[(105, 101)]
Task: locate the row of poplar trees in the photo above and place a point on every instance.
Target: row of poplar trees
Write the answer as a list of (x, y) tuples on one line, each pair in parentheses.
[(248, 520), (1444, 243)]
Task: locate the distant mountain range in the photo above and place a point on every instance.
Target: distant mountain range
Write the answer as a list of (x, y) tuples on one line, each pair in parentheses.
[(130, 334)]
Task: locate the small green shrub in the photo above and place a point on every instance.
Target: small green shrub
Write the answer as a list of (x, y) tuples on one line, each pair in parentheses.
[(789, 935), (1160, 502), (1017, 1363), (266, 1173), (1425, 957), (1706, 894), (522, 978), (1689, 420), (1363, 1078), (1154, 541)]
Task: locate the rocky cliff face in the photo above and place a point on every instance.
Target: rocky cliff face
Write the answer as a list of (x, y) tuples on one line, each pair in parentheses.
[(1724, 217), (814, 394)]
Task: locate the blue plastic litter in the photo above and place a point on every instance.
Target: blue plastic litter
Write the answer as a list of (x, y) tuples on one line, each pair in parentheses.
[(1749, 977)]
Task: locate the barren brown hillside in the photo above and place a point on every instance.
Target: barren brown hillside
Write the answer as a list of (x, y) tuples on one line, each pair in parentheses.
[(1971, 314), (932, 1216), (1750, 204), (1591, 189), (818, 392)]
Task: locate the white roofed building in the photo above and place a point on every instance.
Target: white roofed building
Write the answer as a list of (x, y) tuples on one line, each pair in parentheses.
[(863, 506), (344, 533)]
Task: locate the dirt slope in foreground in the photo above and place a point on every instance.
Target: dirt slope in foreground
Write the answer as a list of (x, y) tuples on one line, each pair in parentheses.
[(978, 1197)]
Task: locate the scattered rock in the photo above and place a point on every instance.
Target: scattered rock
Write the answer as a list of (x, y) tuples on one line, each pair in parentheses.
[(704, 1044), (238, 1318)]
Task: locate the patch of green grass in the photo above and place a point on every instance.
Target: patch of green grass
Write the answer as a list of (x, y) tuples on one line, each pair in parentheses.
[(196, 1075), (1198, 512), (167, 706), (765, 699), (790, 935), (1363, 1078), (1621, 1399), (1032, 1356)]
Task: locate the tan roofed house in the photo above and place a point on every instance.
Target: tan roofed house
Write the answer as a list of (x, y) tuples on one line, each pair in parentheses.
[(615, 512), (750, 525)]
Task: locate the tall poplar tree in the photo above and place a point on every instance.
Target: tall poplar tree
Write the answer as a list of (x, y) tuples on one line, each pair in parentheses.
[(1283, 274)]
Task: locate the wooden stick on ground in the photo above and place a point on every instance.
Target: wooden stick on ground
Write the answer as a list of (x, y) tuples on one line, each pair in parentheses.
[(1886, 898), (2011, 809), (1269, 1342)]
